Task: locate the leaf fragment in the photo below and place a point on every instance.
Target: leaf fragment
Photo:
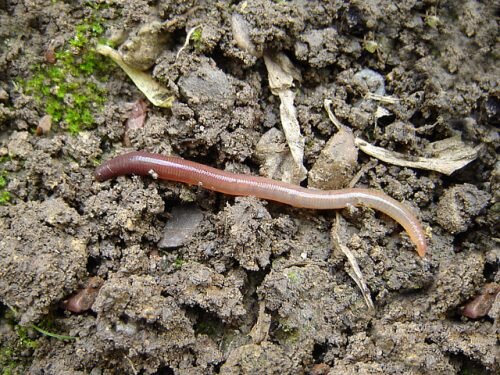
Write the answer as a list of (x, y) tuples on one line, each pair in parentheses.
[(157, 94), (281, 74), (450, 155)]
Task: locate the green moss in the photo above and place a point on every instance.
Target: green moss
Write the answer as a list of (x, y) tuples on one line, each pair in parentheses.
[(178, 263), (24, 338), (8, 363), (96, 161), (197, 38), (287, 334), (5, 196), (71, 90), (12, 347), (3, 179), (432, 21), (12, 359), (293, 277)]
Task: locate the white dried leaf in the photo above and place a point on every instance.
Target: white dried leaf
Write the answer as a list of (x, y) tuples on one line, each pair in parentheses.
[(450, 155), (281, 74), (157, 94)]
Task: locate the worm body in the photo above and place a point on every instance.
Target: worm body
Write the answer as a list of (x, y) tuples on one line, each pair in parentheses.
[(180, 170)]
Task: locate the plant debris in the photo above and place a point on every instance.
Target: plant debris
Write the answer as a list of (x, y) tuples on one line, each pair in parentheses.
[(188, 38), (355, 273), (260, 331), (451, 154), (156, 93), (281, 75)]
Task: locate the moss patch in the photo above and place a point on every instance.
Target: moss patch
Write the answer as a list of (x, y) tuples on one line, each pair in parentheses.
[(5, 195), (71, 89)]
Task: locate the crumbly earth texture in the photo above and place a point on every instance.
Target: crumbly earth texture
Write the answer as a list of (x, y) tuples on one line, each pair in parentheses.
[(250, 286)]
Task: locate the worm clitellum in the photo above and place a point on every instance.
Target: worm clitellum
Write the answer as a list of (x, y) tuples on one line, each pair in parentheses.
[(180, 170)]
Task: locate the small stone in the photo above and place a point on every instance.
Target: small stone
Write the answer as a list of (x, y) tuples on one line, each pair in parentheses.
[(181, 227), (336, 164), (84, 298), (44, 125), (459, 205), (3, 95), (481, 304)]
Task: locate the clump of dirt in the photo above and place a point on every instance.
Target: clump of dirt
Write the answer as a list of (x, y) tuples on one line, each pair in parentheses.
[(249, 286), (42, 257)]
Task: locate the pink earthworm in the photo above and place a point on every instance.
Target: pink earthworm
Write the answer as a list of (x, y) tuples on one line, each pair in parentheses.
[(181, 170)]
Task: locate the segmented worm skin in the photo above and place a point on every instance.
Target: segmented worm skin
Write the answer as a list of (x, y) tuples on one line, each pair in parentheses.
[(180, 170)]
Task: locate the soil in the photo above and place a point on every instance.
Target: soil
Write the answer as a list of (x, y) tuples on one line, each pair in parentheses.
[(250, 286)]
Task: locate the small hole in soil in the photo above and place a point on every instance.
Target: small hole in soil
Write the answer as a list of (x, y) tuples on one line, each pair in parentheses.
[(124, 318), (468, 366), (418, 119), (490, 269), (353, 22), (164, 370), (217, 367), (386, 120), (93, 265), (454, 314), (319, 352), (205, 322)]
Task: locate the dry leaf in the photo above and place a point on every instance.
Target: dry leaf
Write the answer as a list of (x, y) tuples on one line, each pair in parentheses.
[(156, 93), (451, 154), (281, 74)]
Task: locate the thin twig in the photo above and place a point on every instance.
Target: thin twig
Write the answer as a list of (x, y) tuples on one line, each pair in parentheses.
[(356, 273), (327, 104)]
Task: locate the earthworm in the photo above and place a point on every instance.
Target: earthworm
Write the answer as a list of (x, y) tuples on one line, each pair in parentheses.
[(181, 170)]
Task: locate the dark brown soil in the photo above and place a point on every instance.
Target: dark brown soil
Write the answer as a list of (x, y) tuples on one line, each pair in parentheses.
[(196, 282)]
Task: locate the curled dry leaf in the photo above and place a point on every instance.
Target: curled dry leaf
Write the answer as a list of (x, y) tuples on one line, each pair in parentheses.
[(157, 94), (451, 154), (281, 74), (355, 273), (260, 331)]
